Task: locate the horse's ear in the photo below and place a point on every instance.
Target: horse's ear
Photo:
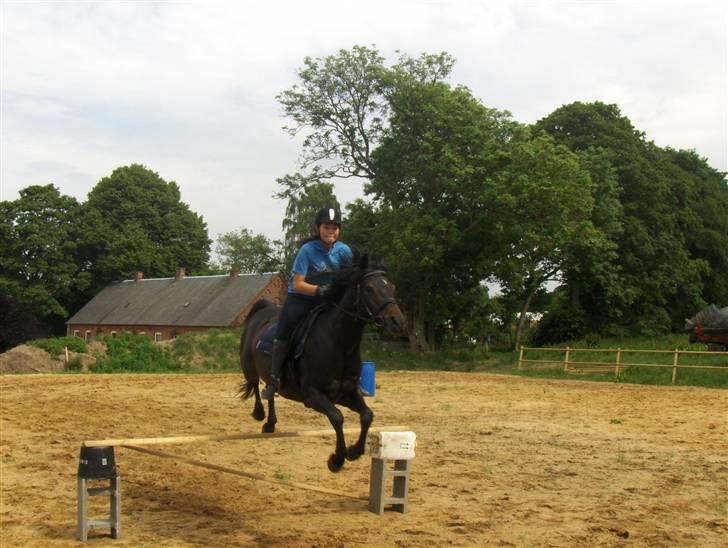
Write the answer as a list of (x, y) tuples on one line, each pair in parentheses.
[(364, 261)]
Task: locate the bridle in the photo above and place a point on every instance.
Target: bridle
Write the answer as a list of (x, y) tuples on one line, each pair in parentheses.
[(358, 301)]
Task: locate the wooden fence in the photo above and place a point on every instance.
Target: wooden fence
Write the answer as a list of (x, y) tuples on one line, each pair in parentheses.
[(618, 364)]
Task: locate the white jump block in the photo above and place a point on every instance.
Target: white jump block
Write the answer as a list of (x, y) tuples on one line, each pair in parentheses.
[(398, 447), (391, 445)]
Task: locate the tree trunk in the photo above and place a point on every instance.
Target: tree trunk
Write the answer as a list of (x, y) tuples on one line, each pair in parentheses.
[(417, 328), (522, 318)]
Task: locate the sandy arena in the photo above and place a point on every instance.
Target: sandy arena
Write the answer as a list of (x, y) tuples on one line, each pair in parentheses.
[(500, 461)]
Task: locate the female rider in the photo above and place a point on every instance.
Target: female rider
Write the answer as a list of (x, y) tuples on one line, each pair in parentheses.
[(321, 253)]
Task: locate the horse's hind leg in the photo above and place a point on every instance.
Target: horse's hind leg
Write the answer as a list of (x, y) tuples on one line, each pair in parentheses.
[(258, 410), (356, 403), (270, 425)]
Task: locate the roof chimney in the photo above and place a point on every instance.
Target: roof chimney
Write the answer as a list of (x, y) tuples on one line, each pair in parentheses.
[(180, 273), (235, 272), (138, 275)]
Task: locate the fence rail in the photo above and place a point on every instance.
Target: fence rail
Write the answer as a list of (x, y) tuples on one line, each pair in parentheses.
[(618, 364)]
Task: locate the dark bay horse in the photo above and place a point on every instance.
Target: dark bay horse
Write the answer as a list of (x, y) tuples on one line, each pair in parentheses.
[(327, 372)]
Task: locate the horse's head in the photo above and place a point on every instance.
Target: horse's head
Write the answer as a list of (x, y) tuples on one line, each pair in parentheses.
[(376, 294)]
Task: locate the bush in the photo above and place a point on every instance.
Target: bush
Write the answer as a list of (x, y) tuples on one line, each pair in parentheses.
[(55, 345), (563, 323), (134, 353), (217, 350)]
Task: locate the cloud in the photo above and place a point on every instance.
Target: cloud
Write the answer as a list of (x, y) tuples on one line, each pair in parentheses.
[(188, 88)]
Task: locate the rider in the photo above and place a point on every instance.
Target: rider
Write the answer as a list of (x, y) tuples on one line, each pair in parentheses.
[(320, 253)]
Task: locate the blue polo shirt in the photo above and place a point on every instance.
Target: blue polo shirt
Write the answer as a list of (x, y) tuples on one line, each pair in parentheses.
[(313, 258)]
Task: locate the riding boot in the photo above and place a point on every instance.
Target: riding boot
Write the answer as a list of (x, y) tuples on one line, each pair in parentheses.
[(280, 352)]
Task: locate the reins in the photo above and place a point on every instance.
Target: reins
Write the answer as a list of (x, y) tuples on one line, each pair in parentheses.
[(371, 315)]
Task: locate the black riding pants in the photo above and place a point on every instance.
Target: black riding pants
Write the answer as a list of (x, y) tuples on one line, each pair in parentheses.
[(294, 311)]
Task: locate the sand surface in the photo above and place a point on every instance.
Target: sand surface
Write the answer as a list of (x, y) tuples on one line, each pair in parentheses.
[(501, 461)]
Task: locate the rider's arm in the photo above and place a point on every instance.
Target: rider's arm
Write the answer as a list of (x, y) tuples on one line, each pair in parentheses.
[(300, 285)]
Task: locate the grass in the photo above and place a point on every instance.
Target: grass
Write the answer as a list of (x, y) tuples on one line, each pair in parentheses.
[(217, 351), (634, 374)]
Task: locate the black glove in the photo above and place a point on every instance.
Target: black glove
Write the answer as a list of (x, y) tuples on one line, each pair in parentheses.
[(324, 290)]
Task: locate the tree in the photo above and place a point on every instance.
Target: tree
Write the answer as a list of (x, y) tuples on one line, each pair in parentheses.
[(39, 267), (434, 199), (339, 102), (248, 251), (544, 205), (653, 274), (135, 220)]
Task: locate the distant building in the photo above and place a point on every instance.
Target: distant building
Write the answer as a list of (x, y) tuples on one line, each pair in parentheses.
[(163, 308)]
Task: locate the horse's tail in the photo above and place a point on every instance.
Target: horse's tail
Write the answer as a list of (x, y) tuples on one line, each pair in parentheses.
[(246, 389)]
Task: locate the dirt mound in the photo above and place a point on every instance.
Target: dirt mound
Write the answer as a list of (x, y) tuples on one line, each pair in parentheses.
[(29, 359)]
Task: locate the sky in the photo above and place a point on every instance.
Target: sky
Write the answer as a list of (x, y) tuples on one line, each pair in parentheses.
[(188, 89)]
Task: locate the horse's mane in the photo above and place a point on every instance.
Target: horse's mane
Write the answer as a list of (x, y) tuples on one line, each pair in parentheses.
[(349, 275)]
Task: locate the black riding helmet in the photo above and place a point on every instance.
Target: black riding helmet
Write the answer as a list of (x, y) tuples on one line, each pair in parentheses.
[(328, 215)]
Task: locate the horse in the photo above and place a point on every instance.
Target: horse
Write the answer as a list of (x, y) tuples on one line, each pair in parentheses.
[(327, 372)]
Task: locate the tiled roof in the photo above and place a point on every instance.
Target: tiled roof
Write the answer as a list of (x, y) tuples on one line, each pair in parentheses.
[(205, 301)]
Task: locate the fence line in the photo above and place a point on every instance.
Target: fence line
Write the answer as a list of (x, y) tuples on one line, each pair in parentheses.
[(618, 364)]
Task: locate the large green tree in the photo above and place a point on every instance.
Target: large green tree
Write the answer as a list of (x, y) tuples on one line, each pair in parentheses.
[(649, 278), (135, 220), (544, 203), (39, 265), (434, 197)]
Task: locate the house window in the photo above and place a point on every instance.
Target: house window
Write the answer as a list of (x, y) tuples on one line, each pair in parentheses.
[(113, 334), (75, 333), (142, 333), (157, 337), (87, 336)]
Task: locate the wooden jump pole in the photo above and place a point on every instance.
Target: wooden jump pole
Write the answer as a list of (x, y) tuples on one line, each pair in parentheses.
[(228, 437), (242, 473)]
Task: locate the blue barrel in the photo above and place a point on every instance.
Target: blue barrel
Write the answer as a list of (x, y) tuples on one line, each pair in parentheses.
[(366, 380)]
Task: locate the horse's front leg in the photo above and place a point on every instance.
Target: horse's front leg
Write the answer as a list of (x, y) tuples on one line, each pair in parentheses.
[(317, 400), (355, 402)]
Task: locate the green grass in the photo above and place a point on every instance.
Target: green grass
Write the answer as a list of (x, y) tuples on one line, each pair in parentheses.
[(217, 351), (635, 374), (214, 350)]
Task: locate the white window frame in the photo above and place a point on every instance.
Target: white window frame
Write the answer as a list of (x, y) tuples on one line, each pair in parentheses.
[(76, 333), (158, 336), (87, 335)]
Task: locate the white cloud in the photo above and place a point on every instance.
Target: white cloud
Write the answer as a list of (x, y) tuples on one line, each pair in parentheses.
[(188, 88)]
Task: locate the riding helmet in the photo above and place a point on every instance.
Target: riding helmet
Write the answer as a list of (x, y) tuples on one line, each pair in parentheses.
[(328, 215)]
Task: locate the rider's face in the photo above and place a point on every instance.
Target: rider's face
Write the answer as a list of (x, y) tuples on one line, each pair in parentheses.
[(329, 233)]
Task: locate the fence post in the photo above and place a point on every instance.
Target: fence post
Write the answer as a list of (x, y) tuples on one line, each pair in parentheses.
[(619, 362), (566, 358), (520, 358), (674, 365)]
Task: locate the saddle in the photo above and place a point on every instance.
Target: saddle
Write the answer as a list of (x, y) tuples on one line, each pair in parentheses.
[(298, 337)]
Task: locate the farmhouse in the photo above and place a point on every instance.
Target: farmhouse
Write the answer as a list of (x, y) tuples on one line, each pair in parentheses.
[(163, 308)]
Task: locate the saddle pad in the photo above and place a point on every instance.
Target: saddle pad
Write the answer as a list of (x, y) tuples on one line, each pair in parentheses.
[(265, 343)]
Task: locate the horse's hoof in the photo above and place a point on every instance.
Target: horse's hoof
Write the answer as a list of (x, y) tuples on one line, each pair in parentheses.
[(269, 428), (353, 453), (333, 465), (258, 413)]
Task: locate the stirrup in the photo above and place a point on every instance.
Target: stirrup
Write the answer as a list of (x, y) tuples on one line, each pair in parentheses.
[(270, 389)]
